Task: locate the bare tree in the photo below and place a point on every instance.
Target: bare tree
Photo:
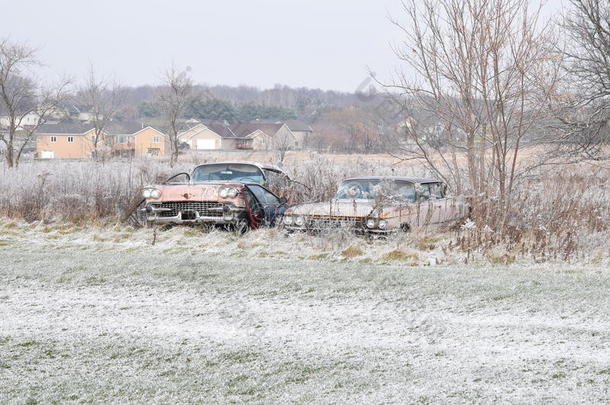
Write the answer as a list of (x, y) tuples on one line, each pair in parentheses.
[(282, 142), (104, 100), (22, 96), (174, 99), (585, 111), (483, 73)]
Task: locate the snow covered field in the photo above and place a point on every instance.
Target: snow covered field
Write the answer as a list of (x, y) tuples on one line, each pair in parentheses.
[(91, 315)]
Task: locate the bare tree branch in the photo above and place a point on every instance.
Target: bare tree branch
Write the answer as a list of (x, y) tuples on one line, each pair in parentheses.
[(22, 96)]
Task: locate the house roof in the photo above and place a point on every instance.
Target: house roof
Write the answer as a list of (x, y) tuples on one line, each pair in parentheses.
[(244, 129), (124, 127), (72, 128), (297, 125), (241, 130), (222, 128), (219, 127), (77, 128)]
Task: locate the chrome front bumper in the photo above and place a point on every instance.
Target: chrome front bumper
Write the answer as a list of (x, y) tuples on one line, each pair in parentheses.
[(357, 230), (193, 217)]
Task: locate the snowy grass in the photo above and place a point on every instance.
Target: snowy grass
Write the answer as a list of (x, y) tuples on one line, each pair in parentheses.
[(95, 314), (558, 213)]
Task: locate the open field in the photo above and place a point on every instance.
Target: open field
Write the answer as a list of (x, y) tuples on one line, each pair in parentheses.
[(101, 315)]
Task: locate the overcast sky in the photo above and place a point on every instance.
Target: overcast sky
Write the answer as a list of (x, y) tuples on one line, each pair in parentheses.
[(326, 44)]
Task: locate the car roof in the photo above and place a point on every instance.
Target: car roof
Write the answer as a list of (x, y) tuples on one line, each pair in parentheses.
[(421, 180), (261, 166)]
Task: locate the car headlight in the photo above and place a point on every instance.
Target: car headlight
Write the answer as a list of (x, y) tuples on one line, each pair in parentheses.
[(383, 224), (288, 220), (151, 193), (230, 192), (299, 221), (155, 193), (371, 223)]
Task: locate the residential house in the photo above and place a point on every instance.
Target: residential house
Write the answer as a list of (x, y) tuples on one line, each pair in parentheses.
[(77, 141), (64, 141), (209, 135), (149, 141), (28, 120), (266, 135), (215, 135), (302, 132)]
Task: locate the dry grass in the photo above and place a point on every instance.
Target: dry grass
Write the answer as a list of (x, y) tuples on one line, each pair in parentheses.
[(557, 214), (560, 213), (352, 251), (400, 255)]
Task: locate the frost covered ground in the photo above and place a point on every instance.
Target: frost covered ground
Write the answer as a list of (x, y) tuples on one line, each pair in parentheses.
[(101, 315)]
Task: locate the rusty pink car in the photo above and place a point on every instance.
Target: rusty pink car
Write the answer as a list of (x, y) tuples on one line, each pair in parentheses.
[(380, 205), (232, 194)]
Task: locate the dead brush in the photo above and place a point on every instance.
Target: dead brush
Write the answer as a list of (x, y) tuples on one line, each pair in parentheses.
[(550, 217)]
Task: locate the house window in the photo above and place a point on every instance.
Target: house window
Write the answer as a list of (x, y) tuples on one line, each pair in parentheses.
[(93, 138), (122, 139), (53, 139), (70, 139), (156, 139)]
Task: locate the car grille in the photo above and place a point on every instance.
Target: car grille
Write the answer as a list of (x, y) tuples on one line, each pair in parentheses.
[(204, 208), (334, 222)]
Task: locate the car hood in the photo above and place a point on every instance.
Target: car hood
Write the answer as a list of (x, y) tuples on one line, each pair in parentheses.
[(193, 192), (335, 208)]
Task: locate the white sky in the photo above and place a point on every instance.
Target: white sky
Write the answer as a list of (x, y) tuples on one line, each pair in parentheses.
[(324, 44)]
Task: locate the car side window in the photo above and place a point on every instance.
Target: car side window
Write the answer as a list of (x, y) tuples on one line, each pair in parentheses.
[(275, 177), (436, 190), (265, 197), (423, 192)]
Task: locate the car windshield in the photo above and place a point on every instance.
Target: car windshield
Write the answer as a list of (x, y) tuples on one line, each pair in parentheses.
[(370, 189), (228, 172)]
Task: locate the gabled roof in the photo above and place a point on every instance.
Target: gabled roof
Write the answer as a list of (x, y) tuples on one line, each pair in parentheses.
[(72, 128), (235, 131), (124, 127), (297, 125), (244, 129), (137, 132), (78, 128), (219, 127), (222, 128)]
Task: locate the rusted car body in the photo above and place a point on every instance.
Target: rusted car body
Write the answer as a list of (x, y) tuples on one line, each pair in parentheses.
[(226, 193), (379, 205)]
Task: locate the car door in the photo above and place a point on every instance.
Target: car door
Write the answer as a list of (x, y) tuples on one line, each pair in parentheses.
[(439, 204), (264, 205), (424, 205)]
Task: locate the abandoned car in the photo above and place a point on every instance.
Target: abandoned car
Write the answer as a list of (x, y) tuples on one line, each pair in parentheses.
[(233, 194), (379, 205)]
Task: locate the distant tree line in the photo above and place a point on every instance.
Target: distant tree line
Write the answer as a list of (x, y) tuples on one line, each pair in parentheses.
[(221, 110), (468, 92)]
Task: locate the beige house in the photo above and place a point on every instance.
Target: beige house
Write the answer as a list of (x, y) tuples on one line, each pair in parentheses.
[(65, 145), (143, 143), (75, 141), (214, 135), (209, 136), (267, 136), (302, 132)]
